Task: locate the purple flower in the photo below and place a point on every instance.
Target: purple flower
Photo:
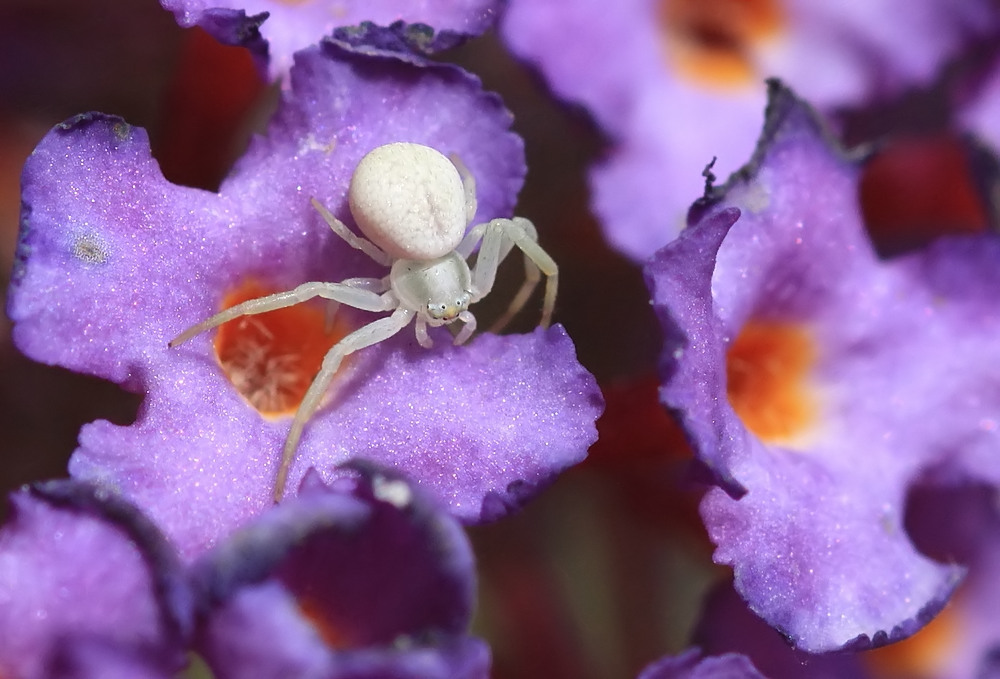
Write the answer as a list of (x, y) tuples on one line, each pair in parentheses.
[(819, 383), (279, 28), (114, 261), (85, 580), (684, 83), (369, 579), (691, 665)]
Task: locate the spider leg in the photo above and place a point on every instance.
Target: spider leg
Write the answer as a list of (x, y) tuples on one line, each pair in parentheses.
[(532, 275), (365, 300), (356, 242), (468, 327), (365, 336), (423, 339), (468, 186), (499, 236), (377, 285)]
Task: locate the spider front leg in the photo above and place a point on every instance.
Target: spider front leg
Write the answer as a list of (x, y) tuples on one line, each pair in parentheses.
[(499, 236), (366, 300), (376, 285), (365, 336)]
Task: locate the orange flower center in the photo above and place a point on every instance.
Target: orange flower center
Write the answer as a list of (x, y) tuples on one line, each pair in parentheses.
[(766, 370), (272, 358), (711, 41), (332, 633)]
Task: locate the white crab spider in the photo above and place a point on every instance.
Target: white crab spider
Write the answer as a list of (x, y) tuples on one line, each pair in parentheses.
[(414, 205)]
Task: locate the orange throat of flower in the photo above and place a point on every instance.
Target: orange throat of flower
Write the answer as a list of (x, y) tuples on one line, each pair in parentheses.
[(711, 42), (271, 358), (767, 369), (334, 634)]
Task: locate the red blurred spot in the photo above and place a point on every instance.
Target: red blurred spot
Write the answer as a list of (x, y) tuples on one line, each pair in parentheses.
[(333, 632), (924, 655), (642, 450), (917, 189), (206, 109)]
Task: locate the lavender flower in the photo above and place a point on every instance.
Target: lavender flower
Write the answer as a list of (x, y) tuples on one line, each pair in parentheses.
[(674, 83), (368, 579), (819, 383), (114, 261)]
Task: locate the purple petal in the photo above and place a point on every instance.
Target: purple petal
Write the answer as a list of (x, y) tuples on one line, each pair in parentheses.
[(374, 582), (290, 27), (89, 658), (727, 626), (76, 562)]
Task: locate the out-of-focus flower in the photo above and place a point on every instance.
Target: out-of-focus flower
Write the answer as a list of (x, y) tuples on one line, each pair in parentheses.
[(276, 29), (368, 579), (675, 83), (692, 665), (819, 383), (87, 584), (114, 261)]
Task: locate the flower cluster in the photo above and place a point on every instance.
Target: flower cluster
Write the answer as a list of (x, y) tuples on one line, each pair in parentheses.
[(322, 418)]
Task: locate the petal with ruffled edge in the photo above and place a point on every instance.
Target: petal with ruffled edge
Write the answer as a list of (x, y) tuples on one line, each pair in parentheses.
[(367, 579), (818, 383), (77, 564), (279, 28), (957, 524), (113, 261), (684, 85)]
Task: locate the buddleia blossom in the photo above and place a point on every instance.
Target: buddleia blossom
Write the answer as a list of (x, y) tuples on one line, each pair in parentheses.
[(113, 261), (685, 83), (820, 383)]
